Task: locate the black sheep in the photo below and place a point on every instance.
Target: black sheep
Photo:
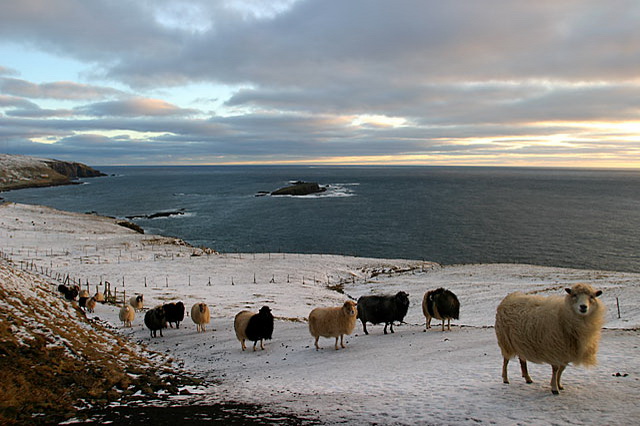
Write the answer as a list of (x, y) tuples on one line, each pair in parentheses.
[(440, 304), (155, 320), (254, 327), (383, 309), (70, 293), (174, 313)]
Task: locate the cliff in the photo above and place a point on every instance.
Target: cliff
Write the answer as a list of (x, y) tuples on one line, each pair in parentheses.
[(19, 171)]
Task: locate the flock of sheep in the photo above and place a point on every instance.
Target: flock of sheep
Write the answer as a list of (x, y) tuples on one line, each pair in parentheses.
[(550, 330)]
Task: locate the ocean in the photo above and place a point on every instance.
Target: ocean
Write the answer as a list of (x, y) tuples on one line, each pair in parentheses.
[(577, 218)]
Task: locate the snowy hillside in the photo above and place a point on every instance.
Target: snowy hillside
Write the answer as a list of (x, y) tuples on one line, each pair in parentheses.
[(409, 377)]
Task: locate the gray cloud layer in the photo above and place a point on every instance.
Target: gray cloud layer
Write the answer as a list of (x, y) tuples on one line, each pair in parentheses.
[(470, 79)]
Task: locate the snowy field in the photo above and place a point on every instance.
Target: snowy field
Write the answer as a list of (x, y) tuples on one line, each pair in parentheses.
[(409, 377)]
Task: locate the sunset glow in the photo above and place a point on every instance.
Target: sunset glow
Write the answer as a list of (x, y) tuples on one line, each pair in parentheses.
[(192, 82)]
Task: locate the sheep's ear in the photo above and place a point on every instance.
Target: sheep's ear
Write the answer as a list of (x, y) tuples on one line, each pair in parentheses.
[(598, 293), (568, 290)]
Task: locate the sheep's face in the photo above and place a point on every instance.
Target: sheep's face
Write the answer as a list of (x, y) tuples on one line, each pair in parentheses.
[(582, 298), (350, 308)]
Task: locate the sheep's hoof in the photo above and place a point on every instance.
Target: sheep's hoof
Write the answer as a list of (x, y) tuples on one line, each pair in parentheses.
[(505, 381), (531, 381), (555, 392)]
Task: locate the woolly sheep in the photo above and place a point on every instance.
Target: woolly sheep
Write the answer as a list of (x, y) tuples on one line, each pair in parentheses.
[(91, 304), (174, 313), (254, 327), (99, 296), (200, 316), (127, 315), (551, 330), (137, 302), (440, 304), (333, 322), (155, 320), (383, 309), (69, 293), (84, 293)]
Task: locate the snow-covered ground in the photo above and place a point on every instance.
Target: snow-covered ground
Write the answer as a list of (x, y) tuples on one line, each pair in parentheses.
[(409, 377)]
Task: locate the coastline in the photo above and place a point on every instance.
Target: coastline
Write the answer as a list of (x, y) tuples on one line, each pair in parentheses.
[(332, 386), (21, 172)]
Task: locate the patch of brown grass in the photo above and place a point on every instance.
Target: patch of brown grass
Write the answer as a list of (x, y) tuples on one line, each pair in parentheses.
[(57, 364)]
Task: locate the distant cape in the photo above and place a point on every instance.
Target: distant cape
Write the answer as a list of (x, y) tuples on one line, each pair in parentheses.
[(20, 171)]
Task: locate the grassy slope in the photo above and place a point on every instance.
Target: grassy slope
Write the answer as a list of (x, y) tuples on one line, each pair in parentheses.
[(53, 360)]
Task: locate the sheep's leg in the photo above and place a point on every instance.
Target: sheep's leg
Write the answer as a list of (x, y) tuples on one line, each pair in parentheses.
[(262, 344), (364, 327), (385, 328), (442, 324), (243, 344), (428, 322), (342, 341), (449, 324), (254, 345), (505, 363), (317, 346), (554, 379), (560, 371), (391, 327), (337, 344), (525, 370)]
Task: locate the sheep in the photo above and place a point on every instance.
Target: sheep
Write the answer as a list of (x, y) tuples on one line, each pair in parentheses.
[(440, 304), (82, 302), (84, 293), (200, 316), (551, 330), (91, 304), (333, 322), (155, 320), (254, 327), (137, 302), (127, 315), (174, 312), (69, 293), (386, 309), (99, 296)]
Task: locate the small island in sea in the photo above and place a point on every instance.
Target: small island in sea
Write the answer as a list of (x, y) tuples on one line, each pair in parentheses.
[(300, 188)]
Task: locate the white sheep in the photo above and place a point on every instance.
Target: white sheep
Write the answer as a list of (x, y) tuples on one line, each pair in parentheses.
[(137, 302), (551, 330), (200, 316), (91, 304), (127, 315), (333, 322)]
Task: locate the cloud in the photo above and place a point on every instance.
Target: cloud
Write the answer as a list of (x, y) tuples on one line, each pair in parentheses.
[(136, 107), (62, 90), (13, 101), (329, 78)]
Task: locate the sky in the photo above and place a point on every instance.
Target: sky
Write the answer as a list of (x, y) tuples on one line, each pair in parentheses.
[(548, 83)]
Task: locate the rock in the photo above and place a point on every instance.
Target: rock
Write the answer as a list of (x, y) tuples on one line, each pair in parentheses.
[(300, 188), (19, 171)]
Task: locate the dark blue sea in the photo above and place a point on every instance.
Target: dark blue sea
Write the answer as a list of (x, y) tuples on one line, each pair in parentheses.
[(555, 217)]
